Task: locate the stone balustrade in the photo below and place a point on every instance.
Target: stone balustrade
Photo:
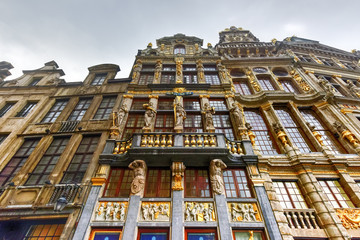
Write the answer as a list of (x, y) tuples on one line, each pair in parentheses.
[(301, 218)]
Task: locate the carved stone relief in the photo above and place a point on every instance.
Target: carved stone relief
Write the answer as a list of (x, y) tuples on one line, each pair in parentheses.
[(244, 212), (111, 211), (199, 212), (155, 211)]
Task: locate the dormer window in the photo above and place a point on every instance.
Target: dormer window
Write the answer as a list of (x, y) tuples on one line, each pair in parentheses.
[(35, 81), (99, 79), (179, 49)]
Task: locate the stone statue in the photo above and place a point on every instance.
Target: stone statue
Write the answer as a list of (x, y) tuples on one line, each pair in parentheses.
[(109, 209), (158, 68), (122, 212), (145, 211), (180, 114), (136, 69), (208, 112), (200, 69), (138, 183), (121, 114), (149, 114), (100, 212), (236, 111), (216, 177), (116, 210)]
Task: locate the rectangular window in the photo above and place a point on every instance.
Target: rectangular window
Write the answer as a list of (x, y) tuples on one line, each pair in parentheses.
[(289, 86), (203, 233), (336, 194), (193, 123), (55, 111), (167, 78), (153, 234), (79, 164), (105, 234), (80, 109), (236, 184), (17, 161), (45, 231), (190, 78), (245, 235), (304, 58), (158, 183), (146, 78), (6, 108), (166, 104), (263, 138), (242, 87), (35, 81), (223, 125), (327, 137), (3, 137), (118, 183), (191, 104), (105, 108), (197, 183), (289, 195), (294, 131), (218, 104), (164, 123), (134, 124), (212, 79), (265, 83), (48, 161), (99, 79), (138, 103), (26, 110)]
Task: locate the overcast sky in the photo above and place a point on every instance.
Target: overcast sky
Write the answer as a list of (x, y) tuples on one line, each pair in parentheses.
[(78, 34)]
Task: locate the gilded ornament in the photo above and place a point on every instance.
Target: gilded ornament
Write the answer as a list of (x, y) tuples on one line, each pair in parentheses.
[(199, 212), (349, 217), (111, 211), (177, 169), (155, 211), (244, 212)]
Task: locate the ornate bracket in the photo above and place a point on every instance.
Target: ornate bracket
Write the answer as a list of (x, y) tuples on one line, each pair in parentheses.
[(178, 169)]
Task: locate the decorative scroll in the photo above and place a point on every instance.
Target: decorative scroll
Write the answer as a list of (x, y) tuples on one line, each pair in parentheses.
[(349, 217), (244, 212), (111, 211), (199, 212), (155, 211)]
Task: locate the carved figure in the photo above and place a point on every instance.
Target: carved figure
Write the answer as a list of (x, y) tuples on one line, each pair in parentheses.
[(234, 212), (243, 212), (138, 183), (180, 114), (208, 112), (200, 69), (122, 212), (149, 114), (145, 211), (121, 114), (136, 69), (194, 211), (236, 111), (222, 70), (155, 211), (116, 210), (252, 213), (158, 68), (100, 212), (109, 209), (188, 212), (216, 178)]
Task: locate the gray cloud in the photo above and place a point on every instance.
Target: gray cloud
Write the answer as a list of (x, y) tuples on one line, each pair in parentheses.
[(82, 33)]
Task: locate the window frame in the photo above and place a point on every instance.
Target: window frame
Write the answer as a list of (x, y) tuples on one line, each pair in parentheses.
[(201, 230), (179, 49), (34, 81), (239, 87), (198, 188), (119, 181), (81, 108), (99, 79), (56, 112), (291, 195), (236, 183), (334, 195), (29, 106), (6, 108), (243, 230), (159, 184), (104, 231), (108, 108)]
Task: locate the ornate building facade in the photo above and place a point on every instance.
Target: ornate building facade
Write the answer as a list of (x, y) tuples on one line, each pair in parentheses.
[(244, 140)]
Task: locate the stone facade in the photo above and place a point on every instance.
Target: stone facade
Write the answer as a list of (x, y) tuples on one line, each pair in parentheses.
[(244, 140)]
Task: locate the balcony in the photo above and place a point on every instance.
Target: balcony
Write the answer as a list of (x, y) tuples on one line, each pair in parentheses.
[(68, 191), (301, 221), (170, 147)]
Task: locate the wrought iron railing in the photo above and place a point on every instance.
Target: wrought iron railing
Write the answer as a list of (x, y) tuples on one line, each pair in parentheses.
[(69, 191)]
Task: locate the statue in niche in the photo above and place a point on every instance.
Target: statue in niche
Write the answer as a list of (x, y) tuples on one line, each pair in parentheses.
[(208, 112), (236, 111), (180, 113), (158, 68), (216, 178), (149, 113), (136, 69), (121, 114), (200, 69), (138, 183)]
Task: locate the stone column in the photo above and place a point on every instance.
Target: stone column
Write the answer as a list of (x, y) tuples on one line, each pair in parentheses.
[(275, 220), (325, 212), (177, 221), (218, 189), (136, 191)]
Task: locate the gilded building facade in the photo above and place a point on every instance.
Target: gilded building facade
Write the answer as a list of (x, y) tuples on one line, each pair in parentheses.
[(244, 140)]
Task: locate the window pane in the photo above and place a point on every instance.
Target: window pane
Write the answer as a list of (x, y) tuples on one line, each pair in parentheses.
[(196, 183), (6, 108), (99, 79), (105, 108), (55, 111), (80, 109)]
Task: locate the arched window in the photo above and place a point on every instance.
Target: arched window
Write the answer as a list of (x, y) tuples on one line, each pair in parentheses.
[(179, 49)]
